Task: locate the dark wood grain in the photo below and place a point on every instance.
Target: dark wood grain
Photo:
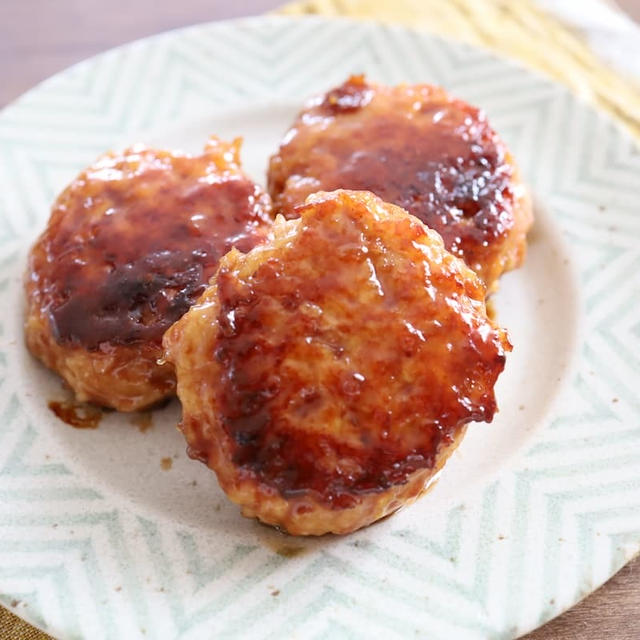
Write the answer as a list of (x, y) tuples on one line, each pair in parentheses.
[(612, 612), (41, 37)]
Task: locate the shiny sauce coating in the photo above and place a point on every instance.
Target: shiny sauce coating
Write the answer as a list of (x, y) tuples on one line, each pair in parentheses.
[(132, 242), (351, 355), (414, 146), (77, 414)]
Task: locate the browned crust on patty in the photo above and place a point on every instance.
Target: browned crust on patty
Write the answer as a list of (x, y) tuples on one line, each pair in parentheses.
[(418, 147), (129, 246), (327, 375)]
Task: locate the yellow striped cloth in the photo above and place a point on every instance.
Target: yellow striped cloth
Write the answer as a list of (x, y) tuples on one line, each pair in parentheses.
[(514, 28)]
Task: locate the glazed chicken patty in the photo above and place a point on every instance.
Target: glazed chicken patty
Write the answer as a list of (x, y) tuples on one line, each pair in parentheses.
[(326, 375), (419, 148), (130, 245)]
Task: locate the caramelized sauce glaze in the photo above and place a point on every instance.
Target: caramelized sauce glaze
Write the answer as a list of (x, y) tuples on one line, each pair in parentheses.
[(77, 414), (350, 96), (414, 146), (349, 358), (134, 239), (143, 420)]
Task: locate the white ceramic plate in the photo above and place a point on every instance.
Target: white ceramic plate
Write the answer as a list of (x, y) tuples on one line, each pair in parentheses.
[(532, 513)]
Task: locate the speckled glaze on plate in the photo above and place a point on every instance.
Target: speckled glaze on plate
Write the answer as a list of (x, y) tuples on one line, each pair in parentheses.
[(113, 533)]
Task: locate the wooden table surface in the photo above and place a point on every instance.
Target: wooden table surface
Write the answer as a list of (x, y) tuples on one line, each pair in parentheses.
[(40, 37)]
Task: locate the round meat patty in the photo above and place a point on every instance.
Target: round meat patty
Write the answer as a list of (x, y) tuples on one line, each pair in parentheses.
[(130, 245), (326, 375), (419, 148)]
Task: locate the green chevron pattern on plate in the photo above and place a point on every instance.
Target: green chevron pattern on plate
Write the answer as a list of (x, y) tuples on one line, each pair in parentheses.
[(532, 513)]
